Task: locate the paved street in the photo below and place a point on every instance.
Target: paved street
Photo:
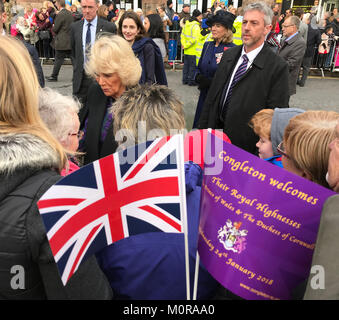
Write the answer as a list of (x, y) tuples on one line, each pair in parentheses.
[(318, 93)]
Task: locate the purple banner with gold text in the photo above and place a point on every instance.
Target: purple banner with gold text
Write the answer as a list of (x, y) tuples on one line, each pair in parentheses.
[(258, 223)]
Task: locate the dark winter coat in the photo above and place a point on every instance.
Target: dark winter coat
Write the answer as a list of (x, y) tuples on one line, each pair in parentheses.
[(27, 170), (62, 30), (264, 85), (150, 58)]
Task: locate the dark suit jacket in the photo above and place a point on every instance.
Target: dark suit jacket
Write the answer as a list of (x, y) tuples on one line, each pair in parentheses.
[(77, 50), (292, 51), (96, 109), (264, 85), (62, 30)]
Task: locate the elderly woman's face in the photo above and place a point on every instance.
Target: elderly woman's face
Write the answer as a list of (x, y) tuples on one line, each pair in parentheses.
[(72, 143), (333, 162), (129, 29), (110, 84)]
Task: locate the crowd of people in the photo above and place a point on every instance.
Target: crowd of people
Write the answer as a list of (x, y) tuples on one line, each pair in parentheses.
[(119, 81)]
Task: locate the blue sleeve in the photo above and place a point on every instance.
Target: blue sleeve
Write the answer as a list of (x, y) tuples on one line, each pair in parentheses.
[(149, 63)]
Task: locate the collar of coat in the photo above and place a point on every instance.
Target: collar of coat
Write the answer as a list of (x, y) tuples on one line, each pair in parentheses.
[(285, 42), (234, 53), (20, 151)]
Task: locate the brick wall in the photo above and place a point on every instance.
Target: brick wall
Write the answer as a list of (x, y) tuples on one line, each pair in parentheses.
[(151, 5), (147, 5)]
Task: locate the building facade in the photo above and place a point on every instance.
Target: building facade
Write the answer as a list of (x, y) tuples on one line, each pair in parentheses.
[(202, 5)]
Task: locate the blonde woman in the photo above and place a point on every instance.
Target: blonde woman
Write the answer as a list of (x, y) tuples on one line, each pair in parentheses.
[(103, 11), (222, 29), (30, 162), (304, 148), (60, 114), (115, 68)]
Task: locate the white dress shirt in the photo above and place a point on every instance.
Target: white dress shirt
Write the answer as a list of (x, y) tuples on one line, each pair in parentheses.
[(251, 56), (93, 23)]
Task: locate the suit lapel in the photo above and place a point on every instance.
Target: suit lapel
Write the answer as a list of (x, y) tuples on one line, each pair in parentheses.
[(99, 26), (81, 26)]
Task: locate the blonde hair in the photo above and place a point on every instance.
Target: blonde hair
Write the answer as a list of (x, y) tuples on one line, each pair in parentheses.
[(19, 87), (306, 140), (113, 54), (228, 37), (261, 123), (156, 105), (101, 11)]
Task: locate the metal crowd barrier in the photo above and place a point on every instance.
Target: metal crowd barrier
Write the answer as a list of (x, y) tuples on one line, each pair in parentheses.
[(41, 52), (327, 62), (174, 50)]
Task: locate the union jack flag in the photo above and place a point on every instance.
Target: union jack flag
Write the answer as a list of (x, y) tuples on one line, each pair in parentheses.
[(111, 199)]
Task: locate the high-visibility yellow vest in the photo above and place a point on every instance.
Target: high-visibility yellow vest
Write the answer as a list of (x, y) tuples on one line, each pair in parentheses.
[(237, 35), (200, 45), (189, 37)]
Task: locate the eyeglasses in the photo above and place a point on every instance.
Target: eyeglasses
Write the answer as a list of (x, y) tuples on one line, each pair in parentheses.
[(281, 150), (79, 134), (286, 26)]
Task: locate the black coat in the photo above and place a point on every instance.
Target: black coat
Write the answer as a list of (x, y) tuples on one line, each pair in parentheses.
[(62, 24), (23, 240), (94, 112), (313, 41), (77, 49), (264, 85)]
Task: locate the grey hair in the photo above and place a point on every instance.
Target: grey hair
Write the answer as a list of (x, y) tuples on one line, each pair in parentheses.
[(261, 7), (55, 110), (295, 20)]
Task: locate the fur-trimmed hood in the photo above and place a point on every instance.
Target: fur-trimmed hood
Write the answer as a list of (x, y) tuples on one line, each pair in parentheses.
[(25, 151)]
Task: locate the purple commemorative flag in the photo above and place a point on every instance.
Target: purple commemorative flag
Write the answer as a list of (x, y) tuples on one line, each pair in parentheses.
[(138, 190), (258, 223)]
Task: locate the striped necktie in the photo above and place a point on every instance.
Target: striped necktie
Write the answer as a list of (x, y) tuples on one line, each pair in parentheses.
[(238, 74)]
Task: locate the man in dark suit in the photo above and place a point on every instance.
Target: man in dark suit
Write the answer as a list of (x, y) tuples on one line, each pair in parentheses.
[(82, 37), (249, 78), (61, 28), (313, 41), (292, 50)]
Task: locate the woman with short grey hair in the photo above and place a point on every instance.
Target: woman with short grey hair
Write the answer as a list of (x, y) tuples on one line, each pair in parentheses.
[(60, 114)]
